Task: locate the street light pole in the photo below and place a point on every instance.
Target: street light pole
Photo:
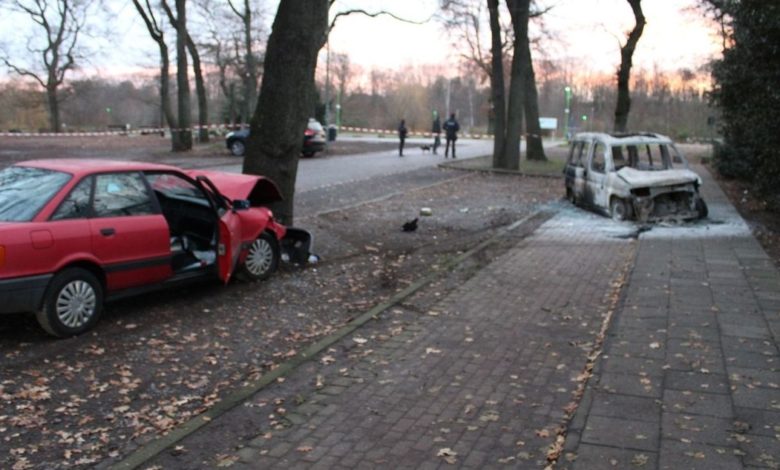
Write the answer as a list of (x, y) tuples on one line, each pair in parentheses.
[(566, 111)]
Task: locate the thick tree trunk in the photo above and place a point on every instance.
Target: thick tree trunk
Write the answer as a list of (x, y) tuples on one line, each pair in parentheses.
[(518, 10), (182, 80), (54, 109), (624, 72), (286, 98), (497, 88), (534, 148)]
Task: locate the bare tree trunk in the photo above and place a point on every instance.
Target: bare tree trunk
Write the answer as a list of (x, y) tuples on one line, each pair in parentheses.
[(497, 87), (518, 10), (200, 89), (250, 77), (165, 94), (54, 109), (534, 148), (156, 32), (286, 96), (182, 79), (61, 23), (624, 72)]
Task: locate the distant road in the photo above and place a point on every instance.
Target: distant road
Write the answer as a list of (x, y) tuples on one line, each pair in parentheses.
[(314, 173)]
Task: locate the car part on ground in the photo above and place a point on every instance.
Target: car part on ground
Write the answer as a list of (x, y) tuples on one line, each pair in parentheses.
[(639, 176)]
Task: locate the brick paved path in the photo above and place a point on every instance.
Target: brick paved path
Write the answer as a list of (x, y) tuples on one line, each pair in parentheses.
[(691, 368), (481, 379)]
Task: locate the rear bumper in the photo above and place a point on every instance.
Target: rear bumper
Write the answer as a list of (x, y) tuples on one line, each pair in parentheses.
[(24, 294), (313, 146)]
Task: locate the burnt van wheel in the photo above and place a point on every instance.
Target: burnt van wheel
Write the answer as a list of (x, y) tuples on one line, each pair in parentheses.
[(701, 208), (619, 210)]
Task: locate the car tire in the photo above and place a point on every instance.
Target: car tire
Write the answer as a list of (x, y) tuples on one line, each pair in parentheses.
[(701, 208), (308, 154), (619, 209), (72, 303), (262, 259), (570, 196), (237, 148)]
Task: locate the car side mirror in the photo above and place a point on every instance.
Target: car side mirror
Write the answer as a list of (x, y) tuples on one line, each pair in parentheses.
[(241, 204)]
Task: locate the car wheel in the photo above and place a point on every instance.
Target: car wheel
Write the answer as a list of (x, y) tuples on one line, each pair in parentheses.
[(308, 154), (570, 196), (701, 208), (618, 209), (237, 148), (72, 304), (262, 259)]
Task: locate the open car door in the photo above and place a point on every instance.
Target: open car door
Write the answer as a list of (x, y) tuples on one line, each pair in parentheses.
[(228, 245), (229, 240)]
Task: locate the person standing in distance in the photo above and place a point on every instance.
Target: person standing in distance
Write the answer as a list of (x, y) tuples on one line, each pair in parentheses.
[(451, 128), (402, 131), (436, 131)]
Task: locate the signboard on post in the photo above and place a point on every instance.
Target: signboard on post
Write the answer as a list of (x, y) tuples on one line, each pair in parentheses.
[(548, 123)]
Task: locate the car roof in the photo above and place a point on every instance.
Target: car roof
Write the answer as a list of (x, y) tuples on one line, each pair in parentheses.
[(79, 166), (619, 138)]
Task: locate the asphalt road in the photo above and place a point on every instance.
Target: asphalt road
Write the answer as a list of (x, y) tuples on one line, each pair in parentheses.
[(316, 173)]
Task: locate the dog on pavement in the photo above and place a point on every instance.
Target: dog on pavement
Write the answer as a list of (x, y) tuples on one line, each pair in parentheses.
[(425, 148)]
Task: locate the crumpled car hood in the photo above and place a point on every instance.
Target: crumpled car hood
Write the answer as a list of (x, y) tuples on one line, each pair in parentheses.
[(259, 190), (637, 178)]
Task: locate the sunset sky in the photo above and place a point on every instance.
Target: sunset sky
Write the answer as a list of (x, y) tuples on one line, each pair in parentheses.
[(586, 32)]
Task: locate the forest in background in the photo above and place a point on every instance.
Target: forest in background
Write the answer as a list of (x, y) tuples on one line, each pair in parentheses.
[(673, 103)]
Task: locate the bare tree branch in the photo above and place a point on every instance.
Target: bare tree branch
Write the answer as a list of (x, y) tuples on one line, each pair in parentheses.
[(372, 15)]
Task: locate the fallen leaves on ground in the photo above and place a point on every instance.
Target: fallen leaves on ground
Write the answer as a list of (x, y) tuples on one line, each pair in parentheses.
[(448, 455)]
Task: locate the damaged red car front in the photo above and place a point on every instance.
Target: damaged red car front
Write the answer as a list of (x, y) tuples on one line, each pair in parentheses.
[(76, 233)]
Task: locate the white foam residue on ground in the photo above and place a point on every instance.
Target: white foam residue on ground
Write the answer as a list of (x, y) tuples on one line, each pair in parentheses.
[(572, 222)]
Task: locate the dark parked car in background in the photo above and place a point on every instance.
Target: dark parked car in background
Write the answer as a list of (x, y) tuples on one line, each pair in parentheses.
[(313, 140)]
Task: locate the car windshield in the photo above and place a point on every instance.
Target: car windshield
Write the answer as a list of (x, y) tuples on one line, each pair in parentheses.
[(645, 156), (24, 191)]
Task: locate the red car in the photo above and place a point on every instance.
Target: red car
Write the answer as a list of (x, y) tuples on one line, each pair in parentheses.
[(74, 233)]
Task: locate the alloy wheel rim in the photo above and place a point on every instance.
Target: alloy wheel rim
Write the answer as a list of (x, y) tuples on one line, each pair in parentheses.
[(76, 304), (260, 257)]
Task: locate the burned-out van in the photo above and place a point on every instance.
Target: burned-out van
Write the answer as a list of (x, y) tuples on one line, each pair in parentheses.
[(640, 176)]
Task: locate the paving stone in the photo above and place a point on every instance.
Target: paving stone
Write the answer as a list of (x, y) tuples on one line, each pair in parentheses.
[(757, 397), (618, 364), (689, 402), (675, 455), (621, 406), (698, 428), (631, 384), (589, 457), (623, 433), (696, 381)]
